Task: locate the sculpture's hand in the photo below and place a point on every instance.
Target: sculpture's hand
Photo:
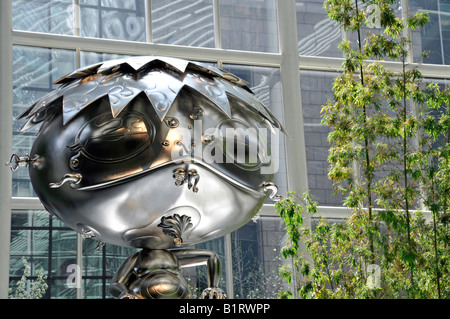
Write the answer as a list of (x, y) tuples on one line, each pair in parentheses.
[(213, 293), (127, 295)]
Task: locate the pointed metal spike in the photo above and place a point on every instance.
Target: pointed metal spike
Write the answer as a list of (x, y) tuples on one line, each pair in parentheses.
[(85, 93), (272, 118), (81, 96), (211, 89), (120, 96), (234, 79), (236, 91), (253, 103), (205, 68), (79, 73), (138, 62), (245, 96), (42, 115), (161, 89), (45, 101), (50, 98), (28, 124), (121, 89), (71, 107), (111, 64), (178, 64), (26, 112), (262, 109)]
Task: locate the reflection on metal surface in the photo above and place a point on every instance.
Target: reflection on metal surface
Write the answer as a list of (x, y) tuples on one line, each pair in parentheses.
[(16, 161), (273, 191), (87, 233), (213, 293), (118, 144), (190, 176), (175, 226), (155, 274), (72, 179)]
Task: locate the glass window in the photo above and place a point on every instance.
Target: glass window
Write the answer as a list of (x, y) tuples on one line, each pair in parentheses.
[(431, 44), (60, 290), (94, 288), (196, 277), (256, 258), (64, 247), (265, 83), (55, 16), (115, 256), (100, 262), (112, 19), (316, 90), (188, 22), (92, 259), (249, 25), (36, 236), (317, 35), (24, 218), (31, 244), (89, 58), (34, 71)]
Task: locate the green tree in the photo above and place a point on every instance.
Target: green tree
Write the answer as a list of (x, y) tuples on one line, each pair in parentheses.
[(36, 289), (389, 157), (328, 257)]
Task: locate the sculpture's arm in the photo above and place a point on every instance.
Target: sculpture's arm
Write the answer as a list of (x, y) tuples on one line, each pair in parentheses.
[(196, 257), (118, 287)]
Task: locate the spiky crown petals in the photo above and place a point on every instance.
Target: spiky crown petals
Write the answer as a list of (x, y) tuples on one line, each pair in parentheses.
[(160, 78)]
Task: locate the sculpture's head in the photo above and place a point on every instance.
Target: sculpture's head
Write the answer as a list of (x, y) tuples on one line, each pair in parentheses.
[(152, 152)]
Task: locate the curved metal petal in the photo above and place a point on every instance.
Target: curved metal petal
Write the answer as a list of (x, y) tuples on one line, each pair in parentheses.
[(253, 103), (205, 68), (79, 73), (178, 64), (123, 93), (84, 94), (211, 89), (161, 89)]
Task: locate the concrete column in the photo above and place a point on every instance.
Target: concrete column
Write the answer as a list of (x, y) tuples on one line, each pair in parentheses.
[(6, 115)]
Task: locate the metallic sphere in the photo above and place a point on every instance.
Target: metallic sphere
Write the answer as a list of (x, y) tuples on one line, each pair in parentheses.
[(151, 152)]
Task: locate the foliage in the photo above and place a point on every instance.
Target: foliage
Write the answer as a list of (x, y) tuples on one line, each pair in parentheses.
[(389, 157), (36, 289), (250, 279), (331, 263), (336, 257)]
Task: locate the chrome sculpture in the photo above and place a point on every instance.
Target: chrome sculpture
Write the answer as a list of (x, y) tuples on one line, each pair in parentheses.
[(155, 153)]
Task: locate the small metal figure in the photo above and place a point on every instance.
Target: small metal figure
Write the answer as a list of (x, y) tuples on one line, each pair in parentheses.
[(155, 274)]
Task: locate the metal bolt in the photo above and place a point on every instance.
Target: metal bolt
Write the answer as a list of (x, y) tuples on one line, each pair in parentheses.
[(208, 139), (198, 112), (172, 123)]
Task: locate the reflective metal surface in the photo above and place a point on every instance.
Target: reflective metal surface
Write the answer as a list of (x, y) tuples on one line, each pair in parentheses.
[(155, 274), (154, 153)]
